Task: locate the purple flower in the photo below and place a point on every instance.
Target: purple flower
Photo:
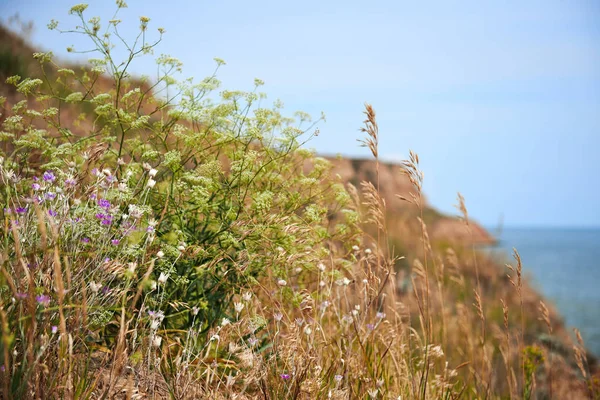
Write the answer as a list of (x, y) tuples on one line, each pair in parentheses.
[(52, 213), (54, 329), (49, 176), (50, 195), (2, 368), (8, 210), (115, 242), (285, 377), (85, 240), (21, 210), (36, 186), (338, 378), (70, 182), (105, 290), (21, 296), (103, 203), (43, 299), (100, 216), (370, 327)]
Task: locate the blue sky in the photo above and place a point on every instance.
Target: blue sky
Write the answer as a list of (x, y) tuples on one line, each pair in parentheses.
[(501, 100)]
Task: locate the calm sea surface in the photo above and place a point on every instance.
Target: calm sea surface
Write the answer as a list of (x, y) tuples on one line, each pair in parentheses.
[(564, 265)]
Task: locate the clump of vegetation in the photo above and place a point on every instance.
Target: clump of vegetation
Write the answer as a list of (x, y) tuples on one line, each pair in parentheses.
[(163, 239)]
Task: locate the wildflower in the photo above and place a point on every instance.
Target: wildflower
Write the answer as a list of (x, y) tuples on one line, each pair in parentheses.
[(106, 172), (162, 279), (367, 251), (43, 299), (85, 240), (195, 310), (131, 267), (54, 329), (160, 254), (115, 242), (373, 393), (365, 281), (321, 267), (103, 203), (21, 210), (355, 248), (52, 213), (370, 327), (225, 322), (152, 172), (36, 186), (95, 287), (215, 337), (247, 296), (157, 341), (281, 282), (252, 341), (49, 176), (307, 330), (338, 378), (322, 284), (21, 296), (151, 183), (238, 307), (230, 380), (380, 315), (285, 377), (278, 316)]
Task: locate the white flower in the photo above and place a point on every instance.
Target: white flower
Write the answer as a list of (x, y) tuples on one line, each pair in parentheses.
[(215, 337), (321, 267), (181, 248), (157, 341), (365, 281), (162, 279), (160, 254), (154, 324), (153, 285), (367, 251), (238, 307), (151, 183), (346, 281), (322, 283), (94, 287), (147, 166), (355, 312), (373, 393), (247, 296), (355, 248), (307, 330), (225, 322), (131, 267), (195, 310), (281, 282), (106, 172), (152, 172), (278, 316)]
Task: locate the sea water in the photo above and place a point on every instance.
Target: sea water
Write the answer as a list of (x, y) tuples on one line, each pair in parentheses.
[(564, 265)]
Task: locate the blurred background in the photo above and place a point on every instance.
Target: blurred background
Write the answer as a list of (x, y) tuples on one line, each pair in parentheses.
[(501, 100)]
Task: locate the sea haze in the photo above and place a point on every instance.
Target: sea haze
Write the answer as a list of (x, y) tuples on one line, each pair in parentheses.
[(564, 265)]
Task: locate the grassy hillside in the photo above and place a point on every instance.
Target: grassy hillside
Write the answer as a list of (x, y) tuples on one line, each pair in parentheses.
[(190, 247)]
